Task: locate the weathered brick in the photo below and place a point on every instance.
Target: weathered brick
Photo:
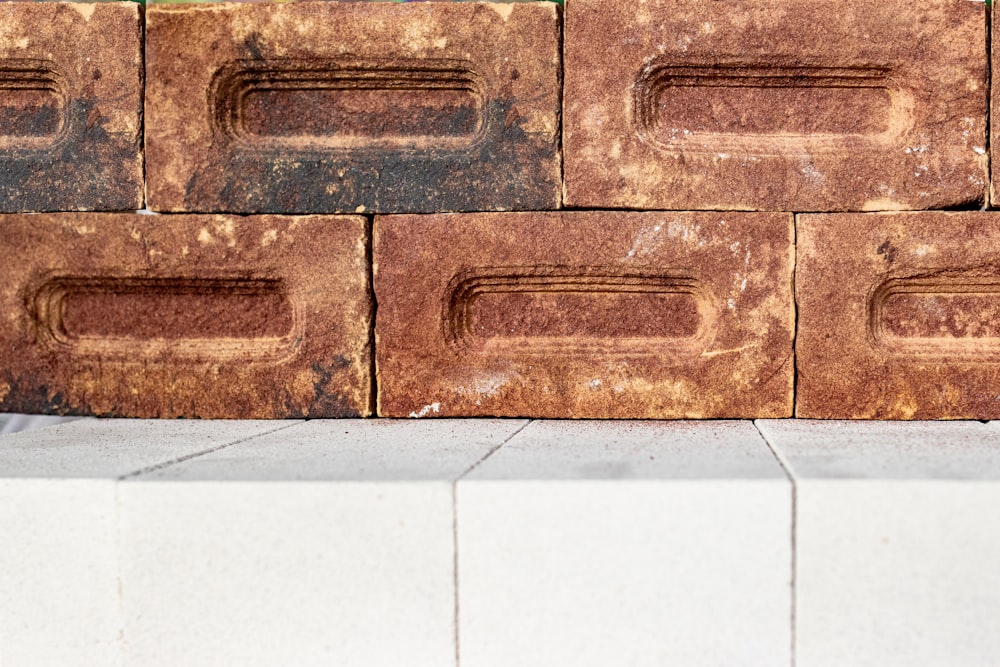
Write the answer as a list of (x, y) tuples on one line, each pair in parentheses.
[(185, 316), (994, 113), (327, 107), (775, 104), (70, 103), (899, 316), (584, 314)]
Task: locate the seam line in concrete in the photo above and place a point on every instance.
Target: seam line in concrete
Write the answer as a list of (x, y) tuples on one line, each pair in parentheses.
[(492, 451), (791, 479), (119, 575), (454, 527), (188, 457)]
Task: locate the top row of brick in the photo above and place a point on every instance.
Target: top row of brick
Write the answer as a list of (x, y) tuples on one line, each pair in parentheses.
[(777, 105)]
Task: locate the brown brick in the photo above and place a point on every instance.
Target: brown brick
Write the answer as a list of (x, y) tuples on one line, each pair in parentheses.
[(185, 316), (899, 316), (775, 104), (326, 107), (70, 102), (994, 114), (584, 314)]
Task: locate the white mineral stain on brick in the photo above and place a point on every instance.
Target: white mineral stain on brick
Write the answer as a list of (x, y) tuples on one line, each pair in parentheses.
[(811, 172), (205, 236), (86, 10), (646, 241), (504, 9), (486, 385), (426, 410), (269, 237)]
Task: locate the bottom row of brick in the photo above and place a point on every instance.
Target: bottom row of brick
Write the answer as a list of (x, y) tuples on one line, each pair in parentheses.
[(563, 314)]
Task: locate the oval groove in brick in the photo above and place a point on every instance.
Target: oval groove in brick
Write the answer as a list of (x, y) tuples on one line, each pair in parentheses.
[(751, 108), (350, 104), (32, 104), (950, 315), (141, 316), (571, 311)]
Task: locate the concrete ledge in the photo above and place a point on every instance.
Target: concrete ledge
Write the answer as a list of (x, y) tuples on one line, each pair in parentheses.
[(897, 541), (626, 543), (550, 543)]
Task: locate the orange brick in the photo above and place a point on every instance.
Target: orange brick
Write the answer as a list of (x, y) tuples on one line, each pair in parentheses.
[(327, 107), (184, 316), (775, 104), (70, 102), (994, 114), (584, 314), (899, 316)]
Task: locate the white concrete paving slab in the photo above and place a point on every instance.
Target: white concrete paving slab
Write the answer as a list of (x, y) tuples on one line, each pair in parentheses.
[(897, 541), (626, 543), (354, 450), (328, 543), (59, 578), (110, 448), (59, 600)]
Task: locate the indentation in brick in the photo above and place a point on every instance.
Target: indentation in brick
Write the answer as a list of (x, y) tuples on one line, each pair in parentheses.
[(775, 105), (333, 107), (584, 314), (70, 91), (899, 316), (185, 316)]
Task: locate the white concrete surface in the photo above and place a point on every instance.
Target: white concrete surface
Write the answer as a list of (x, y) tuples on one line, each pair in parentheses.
[(58, 573), (59, 563), (11, 422), (331, 543), (112, 448), (578, 543), (897, 541), (637, 543)]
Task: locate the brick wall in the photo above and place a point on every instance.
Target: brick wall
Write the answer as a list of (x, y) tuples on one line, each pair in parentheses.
[(661, 209)]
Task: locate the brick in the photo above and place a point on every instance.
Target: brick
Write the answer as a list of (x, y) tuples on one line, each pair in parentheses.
[(595, 543), (994, 113), (775, 104), (330, 107), (899, 316), (584, 314), (70, 103), (896, 541), (194, 316)]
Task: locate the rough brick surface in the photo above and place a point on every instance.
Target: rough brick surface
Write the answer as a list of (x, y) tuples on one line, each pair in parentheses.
[(994, 112), (326, 107), (585, 314), (899, 316), (70, 102), (775, 104), (193, 316)]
